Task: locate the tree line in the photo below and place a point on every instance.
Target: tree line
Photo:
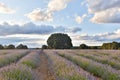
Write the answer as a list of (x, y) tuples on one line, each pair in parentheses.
[(11, 46), (111, 45), (63, 41)]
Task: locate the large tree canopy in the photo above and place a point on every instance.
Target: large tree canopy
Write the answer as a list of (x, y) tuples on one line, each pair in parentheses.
[(59, 41)]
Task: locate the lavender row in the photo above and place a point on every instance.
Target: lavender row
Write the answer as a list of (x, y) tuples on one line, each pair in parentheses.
[(11, 58), (104, 60), (23, 69), (95, 68), (66, 70), (32, 59), (17, 72)]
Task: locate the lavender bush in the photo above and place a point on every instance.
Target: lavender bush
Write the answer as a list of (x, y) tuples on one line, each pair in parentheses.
[(17, 72), (66, 70), (103, 59), (10, 58), (32, 59), (100, 70)]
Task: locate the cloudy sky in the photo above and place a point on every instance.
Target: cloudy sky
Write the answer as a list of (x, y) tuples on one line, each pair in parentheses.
[(31, 22)]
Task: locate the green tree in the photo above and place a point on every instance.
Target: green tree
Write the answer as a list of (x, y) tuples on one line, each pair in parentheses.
[(21, 46), (59, 41), (84, 46), (113, 45), (44, 46), (11, 46), (1, 46)]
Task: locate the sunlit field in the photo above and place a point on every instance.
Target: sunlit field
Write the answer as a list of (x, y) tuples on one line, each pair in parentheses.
[(60, 65)]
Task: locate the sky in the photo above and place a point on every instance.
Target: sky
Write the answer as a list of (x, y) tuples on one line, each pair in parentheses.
[(31, 22)]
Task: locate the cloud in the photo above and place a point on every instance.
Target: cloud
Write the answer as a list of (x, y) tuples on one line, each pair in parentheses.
[(29, 40), (30, 28), (104, 11), (5, 9), (97, 39), (47, 14), (75, 30), (57, 5), (80, 19), (40, 15), (102, 5), (107, 16)]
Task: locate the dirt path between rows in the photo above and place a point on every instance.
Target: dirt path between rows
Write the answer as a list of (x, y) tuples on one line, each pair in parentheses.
[(43, 69)]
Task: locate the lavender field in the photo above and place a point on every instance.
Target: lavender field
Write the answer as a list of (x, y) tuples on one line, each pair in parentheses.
[(60, 65)]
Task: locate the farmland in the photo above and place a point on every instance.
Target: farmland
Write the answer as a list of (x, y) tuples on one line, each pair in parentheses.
[(60, 65)]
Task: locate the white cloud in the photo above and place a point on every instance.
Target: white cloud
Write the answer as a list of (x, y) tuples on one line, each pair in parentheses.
[(104, 11), (57, 5), (27, 39), (5, 9), (107, 16), (79, 19), (13, 22), (47, 14), (96, 39), (39, 15)]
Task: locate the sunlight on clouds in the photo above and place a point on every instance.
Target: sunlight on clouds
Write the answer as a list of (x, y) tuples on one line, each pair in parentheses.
[(57, 5), (13, 22), (30, 40), (80, 19), (45, 17), (5, 9), (39, 15), (107, 16), (47, 14), (104, 12)]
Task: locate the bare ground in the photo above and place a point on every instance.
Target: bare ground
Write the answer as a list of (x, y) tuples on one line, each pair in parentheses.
[(43, 69)]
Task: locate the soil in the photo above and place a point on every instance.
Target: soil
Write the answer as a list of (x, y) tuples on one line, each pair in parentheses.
[(43, 69)]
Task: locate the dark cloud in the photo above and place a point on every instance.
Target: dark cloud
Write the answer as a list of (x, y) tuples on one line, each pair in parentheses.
[(76, 29), (30, 28), (30, 34), (101, 5)]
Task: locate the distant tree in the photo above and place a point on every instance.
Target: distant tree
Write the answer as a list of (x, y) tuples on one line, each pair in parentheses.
[(21, 46), (94, 47), (75, 47), (113, 45), (11, 46), (1, 46), (105, 46), (44, 46), (59, 41), (84, 46)]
